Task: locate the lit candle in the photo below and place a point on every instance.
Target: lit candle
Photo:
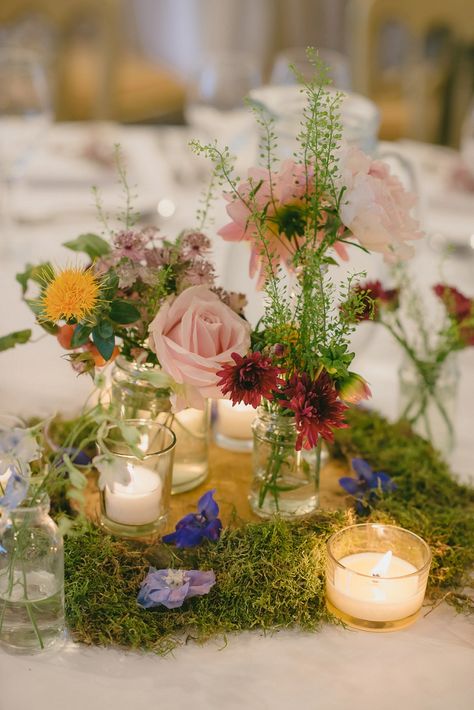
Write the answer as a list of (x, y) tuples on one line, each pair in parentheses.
[(234, 423), (375, 597), (378, 590), (137, 503)]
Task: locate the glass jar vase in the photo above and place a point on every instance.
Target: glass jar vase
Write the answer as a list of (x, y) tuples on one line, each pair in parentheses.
[(136, 394), (427, 399), (285, 481), (140, 507), (31, 579)]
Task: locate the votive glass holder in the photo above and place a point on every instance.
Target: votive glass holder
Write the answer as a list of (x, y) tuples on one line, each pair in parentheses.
[(141, 507), (376, 576)]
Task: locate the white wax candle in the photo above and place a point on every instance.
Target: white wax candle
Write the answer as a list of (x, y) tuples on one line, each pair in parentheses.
[(386, 598), (234, 422), (137, 503)]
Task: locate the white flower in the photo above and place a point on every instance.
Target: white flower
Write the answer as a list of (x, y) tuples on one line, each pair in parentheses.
[(17, 446), (111, 470)]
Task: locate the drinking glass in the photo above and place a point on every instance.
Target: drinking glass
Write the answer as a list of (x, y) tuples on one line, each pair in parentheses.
[(215, 102), (25, 115), (467, 139), (337, 63)]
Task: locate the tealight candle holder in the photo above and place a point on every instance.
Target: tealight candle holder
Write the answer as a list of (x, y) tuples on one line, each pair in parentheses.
[(139, 508), (233, 425), (376, 576)]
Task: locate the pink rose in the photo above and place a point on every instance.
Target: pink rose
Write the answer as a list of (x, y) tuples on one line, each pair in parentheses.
[(376, 207), (193, 336)]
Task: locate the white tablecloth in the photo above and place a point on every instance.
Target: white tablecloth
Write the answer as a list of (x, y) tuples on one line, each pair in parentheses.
[(425, 667)]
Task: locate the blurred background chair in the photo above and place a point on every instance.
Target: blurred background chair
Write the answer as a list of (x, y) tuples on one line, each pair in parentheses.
[(93, 73), (414, 58)]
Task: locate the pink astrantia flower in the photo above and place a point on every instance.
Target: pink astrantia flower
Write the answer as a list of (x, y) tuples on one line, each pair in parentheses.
[(376, 207), (194, 335)]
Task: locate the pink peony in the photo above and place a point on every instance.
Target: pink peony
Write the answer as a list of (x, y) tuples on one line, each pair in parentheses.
[(376, 207), (282, 227), (193, 336)]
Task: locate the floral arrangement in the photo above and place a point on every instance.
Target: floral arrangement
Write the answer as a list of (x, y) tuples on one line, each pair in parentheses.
[(143, 297), (157, 302), (298, 216), (427, 348)]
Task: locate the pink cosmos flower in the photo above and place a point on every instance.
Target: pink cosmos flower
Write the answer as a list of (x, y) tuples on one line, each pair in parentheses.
[(193, 336), (376, 207), (283, 226)]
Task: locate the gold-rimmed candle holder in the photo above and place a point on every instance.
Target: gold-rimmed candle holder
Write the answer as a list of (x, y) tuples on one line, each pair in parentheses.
[(376, 576)]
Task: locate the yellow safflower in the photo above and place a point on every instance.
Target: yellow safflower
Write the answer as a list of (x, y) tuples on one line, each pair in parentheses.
[(71, 293)]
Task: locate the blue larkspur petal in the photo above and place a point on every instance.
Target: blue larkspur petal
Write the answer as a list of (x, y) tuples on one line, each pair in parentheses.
[(363, 469)]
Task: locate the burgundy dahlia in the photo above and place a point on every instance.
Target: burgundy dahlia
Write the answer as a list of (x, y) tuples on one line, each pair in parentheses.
[(317, 407), (457, 305), (375, 295), (250, 379)]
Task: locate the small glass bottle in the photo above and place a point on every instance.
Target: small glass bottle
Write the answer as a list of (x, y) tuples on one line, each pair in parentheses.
[(427, 399), (285, 481), (31, 579), (135, 395)]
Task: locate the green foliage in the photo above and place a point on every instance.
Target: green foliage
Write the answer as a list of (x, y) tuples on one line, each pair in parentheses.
[(19, 337), (104, 339), (303, 312), (90, 244), (103, 576), (33, 273), (270, 575), (123, 312)]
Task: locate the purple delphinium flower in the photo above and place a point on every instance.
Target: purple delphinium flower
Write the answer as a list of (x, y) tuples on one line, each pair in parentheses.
[(170, 587), (16, 488), (368, 486), (193, 528)]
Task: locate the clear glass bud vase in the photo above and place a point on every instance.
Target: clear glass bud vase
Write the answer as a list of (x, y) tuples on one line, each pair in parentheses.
[(136, 395), (285, 481), (427, 399), (31, 580)]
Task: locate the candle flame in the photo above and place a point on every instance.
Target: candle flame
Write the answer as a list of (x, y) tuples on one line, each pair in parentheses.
[(382, 566)]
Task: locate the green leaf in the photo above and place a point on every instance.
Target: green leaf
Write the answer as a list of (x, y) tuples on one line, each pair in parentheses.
[(90, 244), (131, 436), (123, 312), (33, 273), (19, 337), (105, 329), (104, 345), (330, 261), (80, 335), (37, 308), (77, 478)]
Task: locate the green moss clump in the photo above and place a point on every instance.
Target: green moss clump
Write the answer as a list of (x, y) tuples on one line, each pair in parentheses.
[(271, 575)]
